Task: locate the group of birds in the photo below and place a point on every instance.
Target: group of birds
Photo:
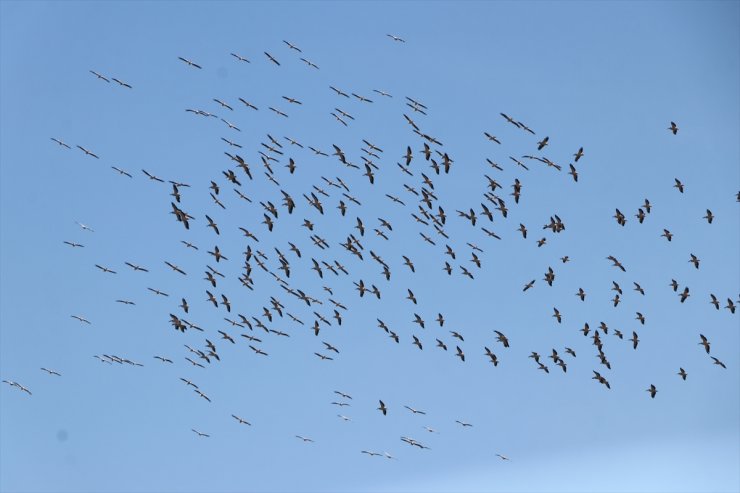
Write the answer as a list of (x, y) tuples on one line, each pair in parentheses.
[(366, 235)]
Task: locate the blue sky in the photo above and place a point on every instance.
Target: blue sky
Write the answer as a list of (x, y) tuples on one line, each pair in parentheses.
[(607, 76)]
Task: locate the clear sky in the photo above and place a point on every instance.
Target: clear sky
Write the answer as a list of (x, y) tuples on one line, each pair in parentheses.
[(605, 76)]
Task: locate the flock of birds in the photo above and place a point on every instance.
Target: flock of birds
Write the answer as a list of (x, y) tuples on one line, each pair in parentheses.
[(313, 306)]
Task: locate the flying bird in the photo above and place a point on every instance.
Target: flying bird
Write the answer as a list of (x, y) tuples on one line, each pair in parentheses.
[(190, 63)]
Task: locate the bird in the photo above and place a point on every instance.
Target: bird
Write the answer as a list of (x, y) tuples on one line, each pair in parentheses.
[(673, 128), (382, 408), (463, 423), (730, 306), (678, 185), (500, 337), (652, 391), (709, 217), (460, 353), (240, 58), (175, 268), (204, 396), (574, 173), (581, 294), (309, 63), (705, 342), (718, 362), (240, 420), (122, 172), (414, 411), (694, 260), (396, 38), (61, 143), (304, 439), (121, 83), (99, 76), (105, 269), (685, 294), (190, 63), (51, 372), (151, 176), (85, 227), (200, 434), (292, 46), (272, 59), (88, 152), (682, 373)]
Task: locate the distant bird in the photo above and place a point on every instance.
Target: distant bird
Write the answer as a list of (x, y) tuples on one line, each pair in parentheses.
[(51, 372), (714, 301), (272, 59), (240, 58), (396, 38), (382, 408), (502, 338), (673, 128), (60, 143), (99, 76), (652, 391), (463, 423), (694, 260), (678, 185), (730, 306), (122, 172), (616, 263), (200, 434), (573, 172), (310, 63), (18, 386), (709, 217), (105, 269), (292, 46), (685, 294), (502, 457), (718, 362), (190, 63), (415, 411), (304, 439), (152, 177), (121, 83), (343, 395), (682, 373), (87, 152), (705, 342), (240, 420), (460, 353)]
